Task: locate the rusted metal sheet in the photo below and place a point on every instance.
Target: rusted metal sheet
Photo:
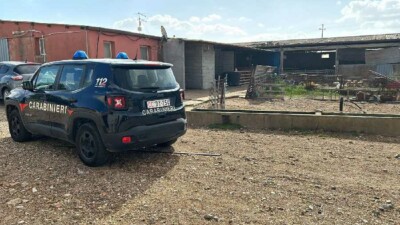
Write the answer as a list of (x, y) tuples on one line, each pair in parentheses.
[(385, 69), (4, 54)]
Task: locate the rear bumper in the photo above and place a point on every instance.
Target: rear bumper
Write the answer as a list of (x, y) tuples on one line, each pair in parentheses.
[(145, 136)]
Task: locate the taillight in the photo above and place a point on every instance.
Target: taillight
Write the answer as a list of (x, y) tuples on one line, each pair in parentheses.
[(17, 77), (126, 139), (116, 102), (182, 94)]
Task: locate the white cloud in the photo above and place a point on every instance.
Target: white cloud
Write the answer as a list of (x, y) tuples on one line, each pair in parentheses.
[(217, 29), (373, 14), (338, 2), (211, 18), (194, 19), (170, 22), (275, 36), (206, 19), (244, 19), (196, 26), (126, 24), (261, 25)]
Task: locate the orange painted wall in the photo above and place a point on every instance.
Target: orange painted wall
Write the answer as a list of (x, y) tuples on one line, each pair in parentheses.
[(122, 43), (62, 41)]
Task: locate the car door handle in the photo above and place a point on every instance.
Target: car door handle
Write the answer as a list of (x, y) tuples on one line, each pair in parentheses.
[(72, 100)]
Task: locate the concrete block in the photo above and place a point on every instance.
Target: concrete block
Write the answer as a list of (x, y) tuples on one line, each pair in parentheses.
[(174, 52), (278, 121), (252, 121), (329, 123), (386, 126), (383, 126), (201, 119), (305, 122)]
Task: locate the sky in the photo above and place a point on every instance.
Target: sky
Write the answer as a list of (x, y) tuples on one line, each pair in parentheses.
[(227, 21)]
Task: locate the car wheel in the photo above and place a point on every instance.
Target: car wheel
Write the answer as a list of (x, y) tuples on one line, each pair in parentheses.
[(90, 147), (17, 129), (168, 143), (6, 92)]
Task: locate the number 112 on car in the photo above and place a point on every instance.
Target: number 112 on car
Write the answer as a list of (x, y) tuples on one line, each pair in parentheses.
[(101, 82)]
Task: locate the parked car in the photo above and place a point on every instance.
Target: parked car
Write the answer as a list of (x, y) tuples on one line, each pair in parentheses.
[(100, 105), (13, 73)]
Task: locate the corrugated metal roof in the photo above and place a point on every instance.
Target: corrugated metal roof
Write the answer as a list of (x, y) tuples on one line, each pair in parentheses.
[(110, 30), (226, 45), (90, 28), (324, 41)]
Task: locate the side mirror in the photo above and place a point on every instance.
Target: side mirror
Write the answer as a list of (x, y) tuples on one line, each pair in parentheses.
[(27, 85)]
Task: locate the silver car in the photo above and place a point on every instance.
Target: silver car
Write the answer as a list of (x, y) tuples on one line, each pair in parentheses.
[(12, 73)]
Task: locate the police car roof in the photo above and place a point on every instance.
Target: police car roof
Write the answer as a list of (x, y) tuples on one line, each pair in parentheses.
[(113, 62)]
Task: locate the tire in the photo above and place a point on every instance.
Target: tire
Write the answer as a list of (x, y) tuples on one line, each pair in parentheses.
[(90, 147), (17, 129), (168, 143), (5, 93)]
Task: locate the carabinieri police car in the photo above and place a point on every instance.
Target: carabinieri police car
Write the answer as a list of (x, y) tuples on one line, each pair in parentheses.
[(100, 105)]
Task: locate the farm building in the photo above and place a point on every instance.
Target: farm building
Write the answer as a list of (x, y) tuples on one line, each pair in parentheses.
[(197, 62), (44, 42), (351, 57)]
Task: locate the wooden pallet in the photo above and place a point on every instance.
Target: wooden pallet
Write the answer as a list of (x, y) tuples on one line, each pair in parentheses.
[(245, 76), (262, 84)]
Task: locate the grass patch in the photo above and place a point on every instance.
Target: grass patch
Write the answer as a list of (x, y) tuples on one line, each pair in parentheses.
[(296, 90), (301, 91), (225, 126)]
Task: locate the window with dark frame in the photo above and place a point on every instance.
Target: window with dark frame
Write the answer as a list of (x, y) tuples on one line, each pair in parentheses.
[(39, 47), (144, 52), (108, 49)]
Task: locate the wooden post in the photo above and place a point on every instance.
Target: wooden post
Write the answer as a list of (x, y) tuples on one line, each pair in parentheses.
[(281, 68), (337, 62)]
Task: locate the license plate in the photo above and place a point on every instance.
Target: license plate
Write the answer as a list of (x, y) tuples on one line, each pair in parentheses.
[(158, 103)]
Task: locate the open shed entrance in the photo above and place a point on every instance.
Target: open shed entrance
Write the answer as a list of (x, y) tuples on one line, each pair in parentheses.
[(310, 62)]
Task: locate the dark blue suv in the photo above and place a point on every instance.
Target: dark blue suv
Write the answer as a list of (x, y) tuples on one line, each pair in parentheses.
[(100, 105)]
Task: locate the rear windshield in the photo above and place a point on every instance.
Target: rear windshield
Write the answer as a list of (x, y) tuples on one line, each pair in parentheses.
[(144, 78), (26, 69)]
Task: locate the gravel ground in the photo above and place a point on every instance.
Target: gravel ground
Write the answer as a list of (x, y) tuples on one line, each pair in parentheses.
[(262, 177), (307, 105)]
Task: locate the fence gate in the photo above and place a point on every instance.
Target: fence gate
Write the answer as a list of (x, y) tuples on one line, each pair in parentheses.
[(4, 54)]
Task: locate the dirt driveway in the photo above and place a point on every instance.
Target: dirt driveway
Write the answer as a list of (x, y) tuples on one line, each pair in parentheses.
[(261, 177)]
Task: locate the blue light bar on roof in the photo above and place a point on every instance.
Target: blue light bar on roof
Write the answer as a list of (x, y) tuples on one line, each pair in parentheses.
[(80, 55), (122, 55)]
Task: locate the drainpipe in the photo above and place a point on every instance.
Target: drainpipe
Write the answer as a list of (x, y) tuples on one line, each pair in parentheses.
[(87, 44), (44, 49)]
